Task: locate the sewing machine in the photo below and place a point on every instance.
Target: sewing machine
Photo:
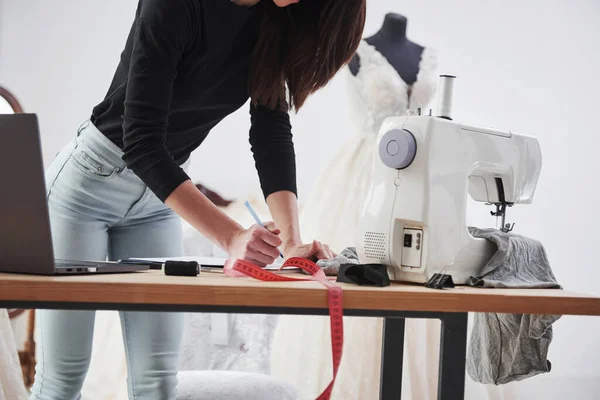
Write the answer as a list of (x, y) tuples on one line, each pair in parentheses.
[(414, 216)]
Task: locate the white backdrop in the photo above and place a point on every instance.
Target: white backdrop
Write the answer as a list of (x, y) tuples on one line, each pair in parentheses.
[(529, 66)]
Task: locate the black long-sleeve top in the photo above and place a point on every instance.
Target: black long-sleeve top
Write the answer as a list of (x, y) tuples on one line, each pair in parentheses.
[(184, 68)]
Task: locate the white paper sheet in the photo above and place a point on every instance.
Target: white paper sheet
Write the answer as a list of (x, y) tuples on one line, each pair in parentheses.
[(219, 262)]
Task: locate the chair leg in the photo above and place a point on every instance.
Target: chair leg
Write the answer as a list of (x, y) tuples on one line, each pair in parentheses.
[(27, 356), (30, 362)]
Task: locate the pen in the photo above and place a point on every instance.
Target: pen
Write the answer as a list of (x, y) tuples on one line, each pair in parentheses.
[(258, 221)]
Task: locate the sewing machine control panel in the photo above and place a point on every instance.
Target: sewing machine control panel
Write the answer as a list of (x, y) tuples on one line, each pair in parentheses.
[(411, 252)]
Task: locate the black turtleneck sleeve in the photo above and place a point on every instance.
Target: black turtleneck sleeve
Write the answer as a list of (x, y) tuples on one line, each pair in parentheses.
[(160, 34), (273, 149)]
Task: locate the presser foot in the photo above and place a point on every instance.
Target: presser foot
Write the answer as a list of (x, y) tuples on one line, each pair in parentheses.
[(500, 215), (507, 227)]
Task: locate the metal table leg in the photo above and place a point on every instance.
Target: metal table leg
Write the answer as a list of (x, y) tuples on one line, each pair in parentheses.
[(392, 356), (453, 340), (453, 353)]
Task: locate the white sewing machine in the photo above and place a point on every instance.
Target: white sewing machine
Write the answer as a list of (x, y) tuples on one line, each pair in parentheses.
[(414, 217)]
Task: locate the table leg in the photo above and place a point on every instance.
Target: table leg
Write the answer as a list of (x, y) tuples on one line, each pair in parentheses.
[(453, 353), (392, 356)]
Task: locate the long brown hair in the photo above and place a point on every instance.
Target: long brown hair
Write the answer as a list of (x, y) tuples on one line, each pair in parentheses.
[(301, 47)]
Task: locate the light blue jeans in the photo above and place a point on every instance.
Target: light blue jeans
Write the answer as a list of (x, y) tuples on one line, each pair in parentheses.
[(100, 209)]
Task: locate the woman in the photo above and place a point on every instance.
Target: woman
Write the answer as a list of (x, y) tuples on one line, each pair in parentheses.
[(119, 188)]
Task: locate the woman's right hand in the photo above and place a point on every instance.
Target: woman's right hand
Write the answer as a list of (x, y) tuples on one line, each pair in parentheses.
[(257, 244)]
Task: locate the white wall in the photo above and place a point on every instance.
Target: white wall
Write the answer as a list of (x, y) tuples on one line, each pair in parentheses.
[(529, 66), (60, 56)]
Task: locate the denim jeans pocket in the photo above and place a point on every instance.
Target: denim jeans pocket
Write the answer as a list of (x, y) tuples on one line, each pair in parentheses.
[(92, 164)]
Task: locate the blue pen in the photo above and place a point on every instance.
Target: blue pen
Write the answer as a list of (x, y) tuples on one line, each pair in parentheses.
[(258, 221)]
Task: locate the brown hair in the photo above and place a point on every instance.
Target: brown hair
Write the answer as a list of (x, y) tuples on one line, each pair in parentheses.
[(302, 46)]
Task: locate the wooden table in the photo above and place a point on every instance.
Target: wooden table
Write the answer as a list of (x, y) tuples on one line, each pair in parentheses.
[(214, 292)]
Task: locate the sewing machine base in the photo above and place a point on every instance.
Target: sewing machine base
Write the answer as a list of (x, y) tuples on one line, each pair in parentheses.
[(470, 261)]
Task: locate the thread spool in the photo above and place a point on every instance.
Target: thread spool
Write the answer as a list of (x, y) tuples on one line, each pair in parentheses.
[(444, 108)]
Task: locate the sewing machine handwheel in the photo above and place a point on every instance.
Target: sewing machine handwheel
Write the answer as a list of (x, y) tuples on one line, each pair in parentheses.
[(398, 148)]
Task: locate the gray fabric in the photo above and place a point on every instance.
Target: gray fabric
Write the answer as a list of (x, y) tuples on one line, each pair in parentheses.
[(519, 262), (332, 267), (511, 347)]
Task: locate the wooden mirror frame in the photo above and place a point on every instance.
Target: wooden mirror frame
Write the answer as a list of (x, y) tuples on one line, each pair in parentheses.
[(16, 106), (27, 356), (11, 99)]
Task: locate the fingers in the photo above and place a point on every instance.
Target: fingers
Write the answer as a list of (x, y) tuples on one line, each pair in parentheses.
[(330, 253), (272, 227), (258, 245), (266, 235), (314, 248), (262, 245), (315, 251), (256, 257), (323, 252), (264, 248)]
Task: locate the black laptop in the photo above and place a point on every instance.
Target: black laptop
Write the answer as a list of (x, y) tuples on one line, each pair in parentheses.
[(25, 236)]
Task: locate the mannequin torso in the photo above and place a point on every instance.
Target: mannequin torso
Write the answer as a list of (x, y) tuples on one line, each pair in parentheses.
[(392, 43)]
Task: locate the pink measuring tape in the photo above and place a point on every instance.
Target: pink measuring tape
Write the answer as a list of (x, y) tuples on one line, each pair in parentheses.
[(240, 268)]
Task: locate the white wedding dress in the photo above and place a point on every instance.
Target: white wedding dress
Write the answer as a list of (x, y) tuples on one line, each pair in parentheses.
[(330, 215), (11, 378)]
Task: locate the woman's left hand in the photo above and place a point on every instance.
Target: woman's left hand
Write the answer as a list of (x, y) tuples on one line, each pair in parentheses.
[(312, 251)]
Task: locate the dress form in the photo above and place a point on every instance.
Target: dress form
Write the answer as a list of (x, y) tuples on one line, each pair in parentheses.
[(391, 41)]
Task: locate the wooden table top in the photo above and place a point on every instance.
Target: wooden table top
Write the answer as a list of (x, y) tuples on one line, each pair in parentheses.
[(216, 289)]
